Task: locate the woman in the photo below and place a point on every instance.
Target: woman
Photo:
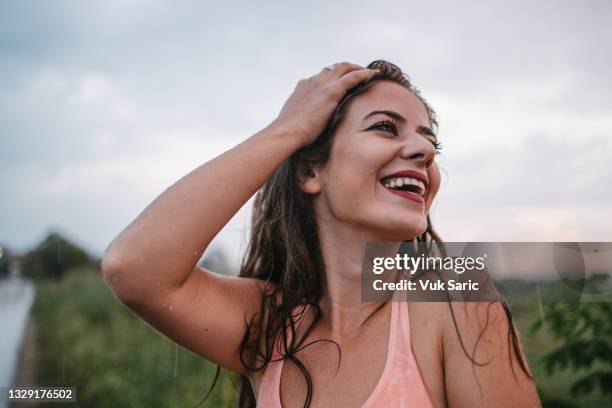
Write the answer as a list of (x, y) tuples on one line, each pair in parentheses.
[(293, 324)]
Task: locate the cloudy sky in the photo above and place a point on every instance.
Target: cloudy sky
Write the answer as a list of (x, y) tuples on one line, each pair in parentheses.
[(104, 104)]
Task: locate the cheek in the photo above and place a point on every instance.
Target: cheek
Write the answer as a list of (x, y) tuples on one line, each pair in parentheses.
[(350, 181), (349, 187), (433, 173)]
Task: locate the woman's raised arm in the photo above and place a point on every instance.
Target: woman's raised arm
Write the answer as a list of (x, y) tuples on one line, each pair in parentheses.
[(151, 264)]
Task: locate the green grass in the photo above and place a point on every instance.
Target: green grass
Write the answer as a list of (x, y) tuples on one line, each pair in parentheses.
[(87, 340)]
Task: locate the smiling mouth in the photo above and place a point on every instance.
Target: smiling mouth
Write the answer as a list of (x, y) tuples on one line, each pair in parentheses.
[(409, 184), (406, 187)]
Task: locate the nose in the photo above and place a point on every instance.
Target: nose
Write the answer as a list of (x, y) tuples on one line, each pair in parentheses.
[(418, 149)]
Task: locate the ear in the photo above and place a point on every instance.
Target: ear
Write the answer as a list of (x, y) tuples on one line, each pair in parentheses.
[(309, 178)]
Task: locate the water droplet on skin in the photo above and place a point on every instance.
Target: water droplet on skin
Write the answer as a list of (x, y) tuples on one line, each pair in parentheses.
[(157, 284), (170, 308)]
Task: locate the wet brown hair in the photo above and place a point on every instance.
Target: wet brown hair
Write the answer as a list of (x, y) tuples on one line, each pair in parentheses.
[(284, 248)]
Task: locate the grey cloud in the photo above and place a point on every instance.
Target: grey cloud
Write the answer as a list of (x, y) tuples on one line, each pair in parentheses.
[(543, 171), (222, 71)]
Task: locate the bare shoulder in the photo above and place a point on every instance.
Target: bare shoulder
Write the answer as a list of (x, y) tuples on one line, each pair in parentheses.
[(484, 364), (475, 323), (467, 357)]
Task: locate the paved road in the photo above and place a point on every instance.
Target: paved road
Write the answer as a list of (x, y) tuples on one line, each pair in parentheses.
[(16, 296)]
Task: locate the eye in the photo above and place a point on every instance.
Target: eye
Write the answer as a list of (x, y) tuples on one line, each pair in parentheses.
[(437, 145), (433, 139), (386, 125)]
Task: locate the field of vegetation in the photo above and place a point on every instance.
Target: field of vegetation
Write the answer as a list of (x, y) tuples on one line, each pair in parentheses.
[(87, 340), (569, 357)]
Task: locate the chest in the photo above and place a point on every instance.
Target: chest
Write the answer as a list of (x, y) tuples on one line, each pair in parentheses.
[(341, 378), (349, 377), (427, 349)]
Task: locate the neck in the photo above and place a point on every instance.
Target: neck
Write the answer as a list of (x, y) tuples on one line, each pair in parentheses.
[(342, 248)]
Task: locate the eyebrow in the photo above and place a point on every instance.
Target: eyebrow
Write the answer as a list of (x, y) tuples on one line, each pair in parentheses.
[(421, 129)]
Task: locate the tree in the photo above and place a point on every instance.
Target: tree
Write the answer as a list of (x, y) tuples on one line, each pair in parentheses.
[(5, 261), (53, 257), (583, 334)]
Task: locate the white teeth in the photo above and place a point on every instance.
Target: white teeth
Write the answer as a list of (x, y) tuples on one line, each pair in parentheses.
[(404, 181)]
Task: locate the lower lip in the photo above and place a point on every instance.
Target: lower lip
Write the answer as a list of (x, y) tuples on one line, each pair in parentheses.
[(407, 195)]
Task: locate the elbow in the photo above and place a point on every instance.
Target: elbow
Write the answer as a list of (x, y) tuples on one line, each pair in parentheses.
[(116, 273), (111, 269)]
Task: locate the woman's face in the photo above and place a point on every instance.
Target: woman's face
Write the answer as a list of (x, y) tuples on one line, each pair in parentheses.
[(383, 142)]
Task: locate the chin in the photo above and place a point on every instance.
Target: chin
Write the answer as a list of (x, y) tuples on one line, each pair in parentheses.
[(414, 229), (412, 234), (405, 232)]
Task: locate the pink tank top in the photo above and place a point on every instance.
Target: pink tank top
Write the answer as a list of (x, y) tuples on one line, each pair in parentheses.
[(400, 384)]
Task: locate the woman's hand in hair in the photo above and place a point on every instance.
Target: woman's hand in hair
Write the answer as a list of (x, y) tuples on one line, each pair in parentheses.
[(307, 111)]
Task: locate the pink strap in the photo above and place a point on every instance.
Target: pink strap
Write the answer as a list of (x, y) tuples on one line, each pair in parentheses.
[(269, 386)]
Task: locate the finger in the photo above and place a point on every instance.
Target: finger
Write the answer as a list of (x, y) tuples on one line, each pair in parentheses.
[(352, 78), (343, 68), (335, 71)]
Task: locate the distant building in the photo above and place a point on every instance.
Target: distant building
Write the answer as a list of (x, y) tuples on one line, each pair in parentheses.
[(15, 260)]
